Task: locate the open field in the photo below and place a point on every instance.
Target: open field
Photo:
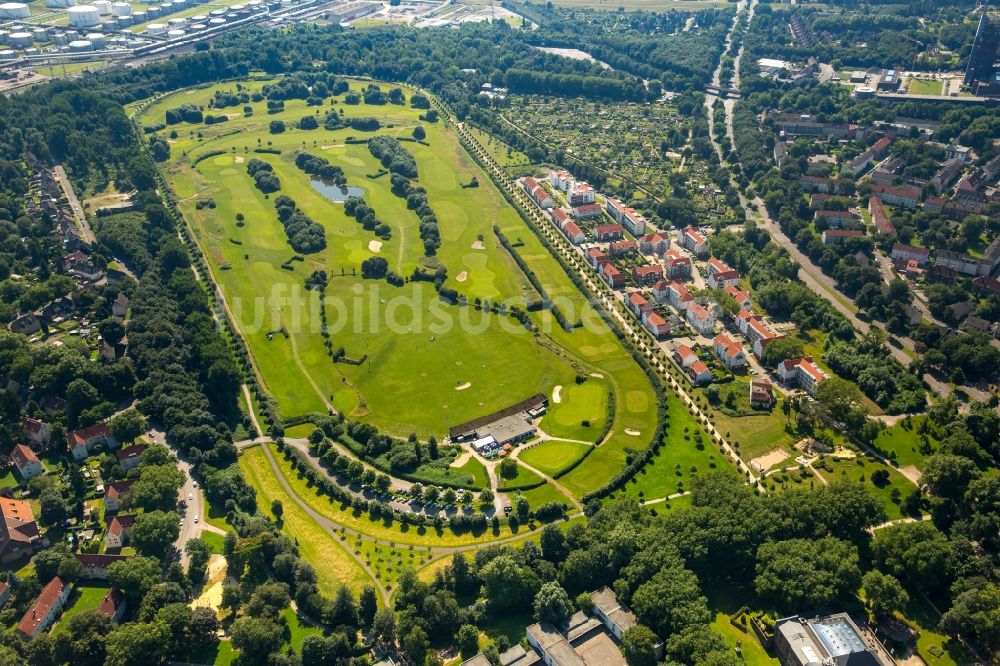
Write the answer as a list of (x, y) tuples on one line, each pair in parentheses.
[(903, 444), (553, 456), (83, 598), (428, 365), (333, 563), (861, 469), (924, 87), (524, 477)]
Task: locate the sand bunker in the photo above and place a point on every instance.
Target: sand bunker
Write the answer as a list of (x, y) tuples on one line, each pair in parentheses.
[(557, 395), (239, 159), (462, 387), (768, 460), (462, 458), (597, 375), (633, 433), (462, 277), (478, 245), (374, 245)]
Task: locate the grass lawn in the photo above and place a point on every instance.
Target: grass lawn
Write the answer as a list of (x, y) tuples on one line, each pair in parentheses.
[(333, 563), (553, 456), (757, 434), (581, 412), (544, 494), (903, 444), (296, 631), (83, 598), (215, 541), (215, 515), (388, 562), (501, 153), (524, 477), (219, 654), (478, 472), (299, 431), (395, 532), (8, 479), (925, 87), (862, 468), (680, 457)]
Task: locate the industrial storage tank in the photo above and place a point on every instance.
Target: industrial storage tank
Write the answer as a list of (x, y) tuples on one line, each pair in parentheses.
[(177, 22), (217, 12), (80, 46), (174, 34), (84, 16), (4, 36), (153, 11), (199, 18), (121, 9), (14, 10), (60, 4), (123, 21), (20, 40), (7, 54), (103, 6), (216, 22), (179, 5), (139, 17), (97, 40), (156, 28), (40, 34), (166, 8)]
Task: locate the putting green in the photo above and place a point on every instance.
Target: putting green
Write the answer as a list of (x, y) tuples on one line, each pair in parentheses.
[(578, 403)]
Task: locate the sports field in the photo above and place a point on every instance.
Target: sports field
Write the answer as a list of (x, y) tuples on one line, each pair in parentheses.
[(427, 364)]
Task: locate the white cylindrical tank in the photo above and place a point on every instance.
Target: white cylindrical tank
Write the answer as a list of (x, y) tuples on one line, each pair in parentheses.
[(215, 22), (177, 22), (80, 46), (84, 16), (97, 40), (139, 17), (121, 9), (4, 36), (166, 8), (61, 39), (156, 28), (60, 4), (103, 6), (199, 18), (174, 34), (123, 21), (7, 54), (14, 10), (217, 12), (21, 40), (179, 5), (40, 34)]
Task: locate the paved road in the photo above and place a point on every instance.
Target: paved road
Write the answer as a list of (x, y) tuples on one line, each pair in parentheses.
[(81, 218)]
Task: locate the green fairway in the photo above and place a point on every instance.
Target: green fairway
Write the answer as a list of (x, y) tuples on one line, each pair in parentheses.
[(333, 563), (422, 365), (553, 456), (82, 598), (580, 412)]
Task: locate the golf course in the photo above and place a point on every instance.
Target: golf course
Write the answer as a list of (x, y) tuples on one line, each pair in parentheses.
[(411, 361)]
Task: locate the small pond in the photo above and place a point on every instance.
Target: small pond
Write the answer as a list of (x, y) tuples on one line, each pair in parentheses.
[(334, 192)]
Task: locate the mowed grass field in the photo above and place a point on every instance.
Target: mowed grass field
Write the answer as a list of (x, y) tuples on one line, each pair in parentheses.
[(333, 562), (553, 456), (429, 365), (581, 412)]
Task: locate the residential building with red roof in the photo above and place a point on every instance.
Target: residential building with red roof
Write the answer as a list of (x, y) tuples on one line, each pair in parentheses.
[(574, 233), (880, 218), (683, 356), (580, 193), (608, 232), (729, 351), (112, 606), (613, 277), (655, 243), (838, 236), (19, 533), (742, 298), (650, 274), (801, 372), (37, 432), (81, 442), (130, 456), (818, 184), (907, 196), (660, 291), (638, 304), (597, 258), (46, 608), (656, 324), (587, 211), (119, 531), (761, 393), (561, 180), (835, 219), (908, 252), (4, 593), (701, 319), (26, 462), (95, 565), (678, 296), (699, 373), (629, 217), (559, 216), (720, 275), (692, 240), (678, 265), (115, 493), (622, 248)]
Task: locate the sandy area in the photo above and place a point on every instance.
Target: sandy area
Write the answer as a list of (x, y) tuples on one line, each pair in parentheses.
[(239, 159), (374, 245), (597, 375), (911, 472), (631, 432), (557, 395), (462, 387), (462, 277), (769, 460), (211, 594), (478, 245), (462, 458)]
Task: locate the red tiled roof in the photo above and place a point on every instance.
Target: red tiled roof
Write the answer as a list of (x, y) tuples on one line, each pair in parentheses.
[(559, 215), (683, 351), (693, 234), (698, 311), (571, 229), (111, 602), (46, 600), (762, 331), (698, 367), (22, 456), (843, 233), (738, 296), (81, 436), (637, 299), (655, 319), (717, 266), (99, 561), (32, 426), (117, 489), (645, 271), (130, 452), (587, 208), (624, 245), (602, 229), (119, 524), (611, 269)]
